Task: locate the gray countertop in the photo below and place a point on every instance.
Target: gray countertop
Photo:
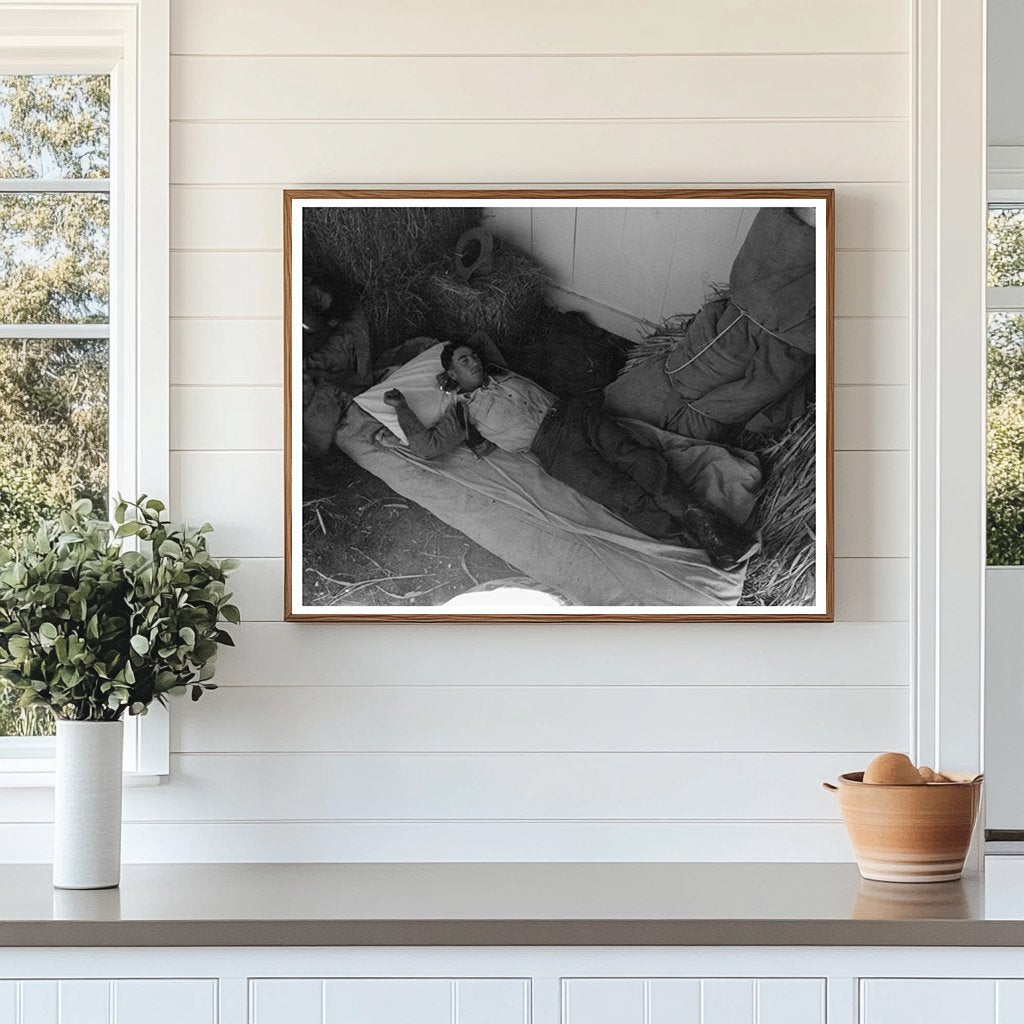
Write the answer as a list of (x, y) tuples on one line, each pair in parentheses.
[(510, 904)]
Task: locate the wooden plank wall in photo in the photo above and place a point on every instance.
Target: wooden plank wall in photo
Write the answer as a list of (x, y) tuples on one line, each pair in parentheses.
[(629, 270)]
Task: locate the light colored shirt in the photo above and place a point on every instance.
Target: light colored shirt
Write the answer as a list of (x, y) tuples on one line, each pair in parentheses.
[(508, 411)]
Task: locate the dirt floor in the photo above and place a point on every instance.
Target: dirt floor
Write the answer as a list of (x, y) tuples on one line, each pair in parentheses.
[(363, 544)]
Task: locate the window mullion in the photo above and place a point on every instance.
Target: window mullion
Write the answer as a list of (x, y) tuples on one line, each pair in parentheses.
[(54, 185), (1004, 299), (63, 332)]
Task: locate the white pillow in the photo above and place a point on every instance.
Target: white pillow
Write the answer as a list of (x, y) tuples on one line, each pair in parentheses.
[(417, 380)]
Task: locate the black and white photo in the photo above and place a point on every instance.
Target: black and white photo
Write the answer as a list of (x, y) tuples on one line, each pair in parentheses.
[(570, 405)]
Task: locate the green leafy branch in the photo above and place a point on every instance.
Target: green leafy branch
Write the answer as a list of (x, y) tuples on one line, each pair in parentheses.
[(91, 630)]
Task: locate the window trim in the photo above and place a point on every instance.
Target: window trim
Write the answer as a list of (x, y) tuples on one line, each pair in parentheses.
[(1003, 299), (129, 40), (948, 450)]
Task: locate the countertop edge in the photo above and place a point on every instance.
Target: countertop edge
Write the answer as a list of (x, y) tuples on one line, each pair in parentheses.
[(52, 934)]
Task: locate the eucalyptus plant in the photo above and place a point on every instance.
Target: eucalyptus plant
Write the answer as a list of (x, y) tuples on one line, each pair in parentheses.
[(91, 628)]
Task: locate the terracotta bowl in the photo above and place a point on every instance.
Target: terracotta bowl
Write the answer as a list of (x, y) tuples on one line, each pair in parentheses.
[(909, 833)]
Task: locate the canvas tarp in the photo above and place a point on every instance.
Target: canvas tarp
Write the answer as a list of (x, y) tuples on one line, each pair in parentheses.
[(743, 353), (556, 536)]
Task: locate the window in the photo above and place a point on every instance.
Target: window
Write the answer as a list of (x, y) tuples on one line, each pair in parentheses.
[(84, 124), (54, 308), (1005, 478)]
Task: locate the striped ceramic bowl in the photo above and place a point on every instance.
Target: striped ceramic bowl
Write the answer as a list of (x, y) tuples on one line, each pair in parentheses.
[(909, 833)]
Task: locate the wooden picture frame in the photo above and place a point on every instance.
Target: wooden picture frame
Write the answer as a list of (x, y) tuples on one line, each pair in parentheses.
[(322, 593)]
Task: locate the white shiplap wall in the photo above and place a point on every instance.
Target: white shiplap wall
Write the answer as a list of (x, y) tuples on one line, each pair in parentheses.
[(661, 741)]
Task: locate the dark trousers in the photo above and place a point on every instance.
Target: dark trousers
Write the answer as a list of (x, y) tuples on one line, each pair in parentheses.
[(589, 451)]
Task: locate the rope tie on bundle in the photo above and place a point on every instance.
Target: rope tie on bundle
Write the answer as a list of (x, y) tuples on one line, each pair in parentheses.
[(743, 316)]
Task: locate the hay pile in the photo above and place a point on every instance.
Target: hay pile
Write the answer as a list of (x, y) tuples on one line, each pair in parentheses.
[(385, 256), (659, 342), (782, 573), (502, 303), (398, 263)]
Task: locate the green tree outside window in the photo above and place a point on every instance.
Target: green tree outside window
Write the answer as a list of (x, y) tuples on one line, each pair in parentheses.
[(54, 274)]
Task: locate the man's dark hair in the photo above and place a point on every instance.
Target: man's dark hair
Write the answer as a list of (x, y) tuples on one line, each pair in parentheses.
[(449, 350)]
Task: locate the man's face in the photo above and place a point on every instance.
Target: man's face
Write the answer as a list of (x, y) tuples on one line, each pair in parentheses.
[(467, 368)]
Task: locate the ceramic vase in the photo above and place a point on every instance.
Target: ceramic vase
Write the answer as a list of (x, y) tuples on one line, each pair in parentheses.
[(87, 805)]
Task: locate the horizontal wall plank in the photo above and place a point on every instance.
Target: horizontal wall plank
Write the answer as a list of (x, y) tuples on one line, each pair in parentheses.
[(872, 283), (243, 787), (258, 586), (461, 842), (460, 26), (492, 719), (872, 504), (872, 216), (872, 590), (238, 418), (241, 494), (872, 418), (868, 216), (239, 217), (867, 589), (234, 284), (574, 151), (538, 88), (868, 350), (872, 350), (227, 352), (623, 654)]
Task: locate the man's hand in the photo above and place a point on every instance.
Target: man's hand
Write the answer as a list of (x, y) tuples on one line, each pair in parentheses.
[(394, 398)]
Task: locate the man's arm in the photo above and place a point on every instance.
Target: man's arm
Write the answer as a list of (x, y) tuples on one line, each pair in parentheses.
[(427, 442), (487, 350)]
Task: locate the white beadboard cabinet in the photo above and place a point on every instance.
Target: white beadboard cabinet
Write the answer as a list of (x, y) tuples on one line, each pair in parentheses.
[(513, 985), (696, 1000), (109, 1001), (942, 1001), (389, 1001)]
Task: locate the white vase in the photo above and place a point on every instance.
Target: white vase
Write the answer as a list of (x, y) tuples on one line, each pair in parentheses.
[(87, 805)]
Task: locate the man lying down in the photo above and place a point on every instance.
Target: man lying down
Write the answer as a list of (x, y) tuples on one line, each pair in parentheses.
[(574, 441)]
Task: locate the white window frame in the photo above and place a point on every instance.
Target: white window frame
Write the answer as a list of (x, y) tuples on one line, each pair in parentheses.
[(1005, 804), (949, 442), (130, 41)]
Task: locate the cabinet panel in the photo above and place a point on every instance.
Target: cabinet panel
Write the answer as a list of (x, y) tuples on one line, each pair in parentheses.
[(674, 1000), (492, 1001), (285, 1001), (8, 1002), (928, 1001), (103, 1001), (693, 1001), (727, 1001), (84, 1002), (38, 1002), (790, 1001), (388, 1001), (1010, 1002), (603, 1001), (165, 1002)]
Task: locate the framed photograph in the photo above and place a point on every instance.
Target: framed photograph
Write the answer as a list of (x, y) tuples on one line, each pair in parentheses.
[(569, 405)]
